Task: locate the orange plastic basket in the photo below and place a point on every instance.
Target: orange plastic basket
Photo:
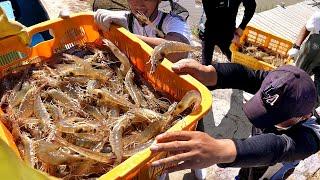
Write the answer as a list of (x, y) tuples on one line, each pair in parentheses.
[(79, 29), (257, 37)]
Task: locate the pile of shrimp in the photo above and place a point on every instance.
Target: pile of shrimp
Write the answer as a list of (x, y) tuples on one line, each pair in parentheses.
[(86, 110), (263, 54)]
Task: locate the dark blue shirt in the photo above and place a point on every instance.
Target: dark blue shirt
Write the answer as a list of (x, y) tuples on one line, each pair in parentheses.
[(271, 146)]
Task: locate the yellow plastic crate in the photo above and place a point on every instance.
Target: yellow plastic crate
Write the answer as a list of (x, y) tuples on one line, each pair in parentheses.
[(79, 29), (257, 37)]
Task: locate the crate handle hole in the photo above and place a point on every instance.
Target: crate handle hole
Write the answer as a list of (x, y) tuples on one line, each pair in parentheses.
[(41, 37)]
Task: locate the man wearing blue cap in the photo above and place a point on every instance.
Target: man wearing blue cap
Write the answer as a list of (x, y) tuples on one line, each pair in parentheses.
[(281, 108)]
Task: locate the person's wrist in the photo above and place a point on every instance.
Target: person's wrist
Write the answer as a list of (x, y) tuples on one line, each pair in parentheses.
[(211, 75), (239, 32), (228, 151), (296, 46)]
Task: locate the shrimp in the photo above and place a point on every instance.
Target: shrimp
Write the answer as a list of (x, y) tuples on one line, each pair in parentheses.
[(96, 57), (86, 169), (115, 138), (122, 57), (55, 112), (55, 154), (147, 114), (107, 158), (100, 75), (82, 142), (95, 113), (114, 112), (65, 69), (82, 81), (104, 110), (66, 101), (16, 97), (165, 48), (153, 129), (108, 97), (29, 150), (98, 147), (95, 137), (134, 90), (91, 85), (6, 120), (78, 61), (26, 106), (138, 148), (251, 49), (41, 112), (152, 100), (32, 126), (191, 97), (51, 72), (149, 132), (78, 125)]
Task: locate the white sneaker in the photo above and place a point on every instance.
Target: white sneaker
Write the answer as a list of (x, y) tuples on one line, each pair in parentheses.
[(200, 174)]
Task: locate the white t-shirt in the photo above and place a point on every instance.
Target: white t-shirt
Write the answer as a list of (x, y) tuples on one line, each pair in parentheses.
[(170, 24), (313, 23)]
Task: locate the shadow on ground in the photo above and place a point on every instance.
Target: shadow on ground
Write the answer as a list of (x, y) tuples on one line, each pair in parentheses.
[(224, 122)]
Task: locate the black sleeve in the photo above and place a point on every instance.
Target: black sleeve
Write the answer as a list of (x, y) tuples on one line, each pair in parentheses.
[(236, 76), (250, 7), (268, 149)]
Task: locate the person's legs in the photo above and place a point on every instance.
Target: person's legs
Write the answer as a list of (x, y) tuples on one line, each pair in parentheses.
[(207, 50), (224, 46)]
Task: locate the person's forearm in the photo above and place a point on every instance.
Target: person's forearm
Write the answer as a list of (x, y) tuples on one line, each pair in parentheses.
[(228, 149), (236, 76), (268, 149), (262, 150), (302, 36), (151, 41)]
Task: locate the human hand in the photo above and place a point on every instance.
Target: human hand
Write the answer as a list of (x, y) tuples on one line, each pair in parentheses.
[(236, 39), (293, 52), (237, 35), (239, 32), (193, 150), (104, 18), (205, 74)]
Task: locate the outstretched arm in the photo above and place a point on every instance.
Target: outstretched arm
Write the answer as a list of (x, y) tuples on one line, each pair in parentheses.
[(302, 36), (194, 150), (222, 75)]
